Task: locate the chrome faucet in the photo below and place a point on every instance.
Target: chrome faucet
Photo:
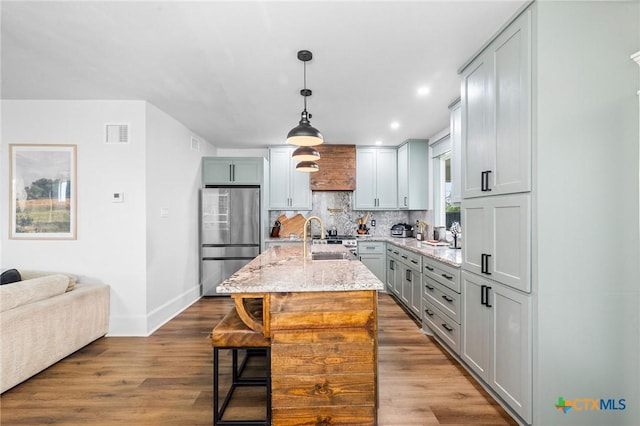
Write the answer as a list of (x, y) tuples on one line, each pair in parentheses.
[(306, 253)]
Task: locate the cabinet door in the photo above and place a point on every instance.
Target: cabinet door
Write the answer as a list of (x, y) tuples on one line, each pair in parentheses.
[(473, 216), (391, 265), (300, 188), (416, 292), (497, 239), (477, 125), (511, 348), (403, 176), (375, 263), (510, 240), (512, 59), (247, 171), (279, 170), (387, 178), (455, 129), (475, 344), (365, 194), (216, 171)]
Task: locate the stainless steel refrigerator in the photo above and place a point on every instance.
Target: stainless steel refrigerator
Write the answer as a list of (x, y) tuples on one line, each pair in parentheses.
[(229, 232)]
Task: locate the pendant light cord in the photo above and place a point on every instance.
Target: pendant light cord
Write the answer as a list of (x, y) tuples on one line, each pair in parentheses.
[(304, 79)]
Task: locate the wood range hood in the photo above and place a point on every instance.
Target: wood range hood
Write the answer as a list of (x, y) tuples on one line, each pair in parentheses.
[(337, 168)]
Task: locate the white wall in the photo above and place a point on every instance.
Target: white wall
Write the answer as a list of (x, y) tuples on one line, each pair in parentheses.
[(230, 152), (113, 245), (586, 205), (172, 184)]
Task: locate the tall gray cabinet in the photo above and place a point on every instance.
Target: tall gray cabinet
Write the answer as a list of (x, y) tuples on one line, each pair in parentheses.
[(549, 137)]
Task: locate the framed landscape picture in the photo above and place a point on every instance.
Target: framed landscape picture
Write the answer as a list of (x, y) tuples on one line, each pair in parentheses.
[(43, 191)]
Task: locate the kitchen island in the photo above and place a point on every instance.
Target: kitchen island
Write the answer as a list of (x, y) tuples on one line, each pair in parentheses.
[(321, 318)]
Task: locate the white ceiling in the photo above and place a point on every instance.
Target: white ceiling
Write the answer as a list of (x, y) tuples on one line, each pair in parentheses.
[(229, 72)]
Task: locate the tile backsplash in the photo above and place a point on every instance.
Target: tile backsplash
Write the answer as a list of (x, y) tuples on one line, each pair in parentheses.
[(335, 208)]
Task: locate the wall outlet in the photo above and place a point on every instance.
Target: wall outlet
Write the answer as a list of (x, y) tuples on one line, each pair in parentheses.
[(117, 197)]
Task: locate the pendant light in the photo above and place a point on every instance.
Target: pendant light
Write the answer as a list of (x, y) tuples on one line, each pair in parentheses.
[(307, 166), (305, 153), (304, 134)]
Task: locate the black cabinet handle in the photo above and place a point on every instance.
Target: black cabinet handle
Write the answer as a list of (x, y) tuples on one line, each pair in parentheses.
[(396, 252), (408, 275), (404, 257), (446, 327), (484, 295), (447, 276), (429, 268), (414, 261), (428, 312), (428, 287), (391, 265), (405, 201), (389, 249), (230, 172), (447, 298), (484, 181), (484, 263)]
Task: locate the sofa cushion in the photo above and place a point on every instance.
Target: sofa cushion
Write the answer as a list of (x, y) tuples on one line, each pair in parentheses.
[(10, 276), (28, 274), (33, 290)]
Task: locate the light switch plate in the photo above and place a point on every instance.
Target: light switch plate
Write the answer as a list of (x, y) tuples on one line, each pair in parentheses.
[(117, 197)]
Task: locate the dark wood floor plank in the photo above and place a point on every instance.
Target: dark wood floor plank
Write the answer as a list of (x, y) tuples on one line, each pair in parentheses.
[(165, 379)]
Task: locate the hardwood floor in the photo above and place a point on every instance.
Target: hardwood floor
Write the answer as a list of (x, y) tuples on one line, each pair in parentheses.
[(165, 379)]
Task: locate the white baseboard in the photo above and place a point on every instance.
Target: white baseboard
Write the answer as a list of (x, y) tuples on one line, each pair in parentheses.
[(145, 325)]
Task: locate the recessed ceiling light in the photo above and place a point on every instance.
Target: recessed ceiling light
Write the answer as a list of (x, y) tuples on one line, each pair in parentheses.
[(395, 125), (378, 142), (423, 91)]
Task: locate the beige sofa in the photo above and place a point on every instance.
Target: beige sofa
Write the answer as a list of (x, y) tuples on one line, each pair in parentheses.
[(44, 318)]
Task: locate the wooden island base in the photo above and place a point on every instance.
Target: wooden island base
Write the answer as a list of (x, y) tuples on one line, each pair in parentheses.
[(323, 357)]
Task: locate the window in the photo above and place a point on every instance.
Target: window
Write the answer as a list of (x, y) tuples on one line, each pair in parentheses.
[(444, 213)]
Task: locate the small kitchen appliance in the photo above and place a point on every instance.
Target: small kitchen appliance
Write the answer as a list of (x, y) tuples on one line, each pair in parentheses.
[(402, 230)]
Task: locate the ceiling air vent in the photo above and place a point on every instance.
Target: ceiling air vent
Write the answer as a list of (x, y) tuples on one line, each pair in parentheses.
[(116, 133), (195, 144)]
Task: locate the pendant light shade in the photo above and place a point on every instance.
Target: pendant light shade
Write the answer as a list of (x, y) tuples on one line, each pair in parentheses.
[(304, 134), (307, 166), (305, 153)]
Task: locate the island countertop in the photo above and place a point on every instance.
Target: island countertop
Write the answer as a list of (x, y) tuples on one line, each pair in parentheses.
[(283, 269)]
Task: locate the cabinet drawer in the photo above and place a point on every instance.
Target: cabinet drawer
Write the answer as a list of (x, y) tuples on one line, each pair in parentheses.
[(443, 326), (412, 260), (447, 300), (443, 273), (372, 247), (393, 252)]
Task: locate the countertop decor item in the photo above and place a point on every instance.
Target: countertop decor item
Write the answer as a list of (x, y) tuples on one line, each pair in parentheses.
[(455, 231)]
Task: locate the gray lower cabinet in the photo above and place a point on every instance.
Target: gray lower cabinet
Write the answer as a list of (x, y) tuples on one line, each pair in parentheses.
[(404, 278), (372, 254), (441, 311), (496, 339)]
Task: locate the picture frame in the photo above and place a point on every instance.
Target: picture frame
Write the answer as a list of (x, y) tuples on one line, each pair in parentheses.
[(43, 188)]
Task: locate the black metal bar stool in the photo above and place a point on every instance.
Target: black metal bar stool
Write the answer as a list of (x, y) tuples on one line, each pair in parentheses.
[(233, 334)]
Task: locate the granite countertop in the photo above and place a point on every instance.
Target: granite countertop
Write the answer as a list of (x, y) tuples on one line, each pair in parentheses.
[(283, 269), (443, 254)]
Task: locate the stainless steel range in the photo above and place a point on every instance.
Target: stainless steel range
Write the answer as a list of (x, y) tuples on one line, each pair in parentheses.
[(348, 241)]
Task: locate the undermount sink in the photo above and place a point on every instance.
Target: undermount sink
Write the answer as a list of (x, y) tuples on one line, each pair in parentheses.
[(332, 255)]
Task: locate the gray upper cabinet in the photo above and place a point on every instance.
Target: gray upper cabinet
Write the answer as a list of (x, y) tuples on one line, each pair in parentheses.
[(232, 170), (289, 189), (376, 179), (413, 174), (496, 115)]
